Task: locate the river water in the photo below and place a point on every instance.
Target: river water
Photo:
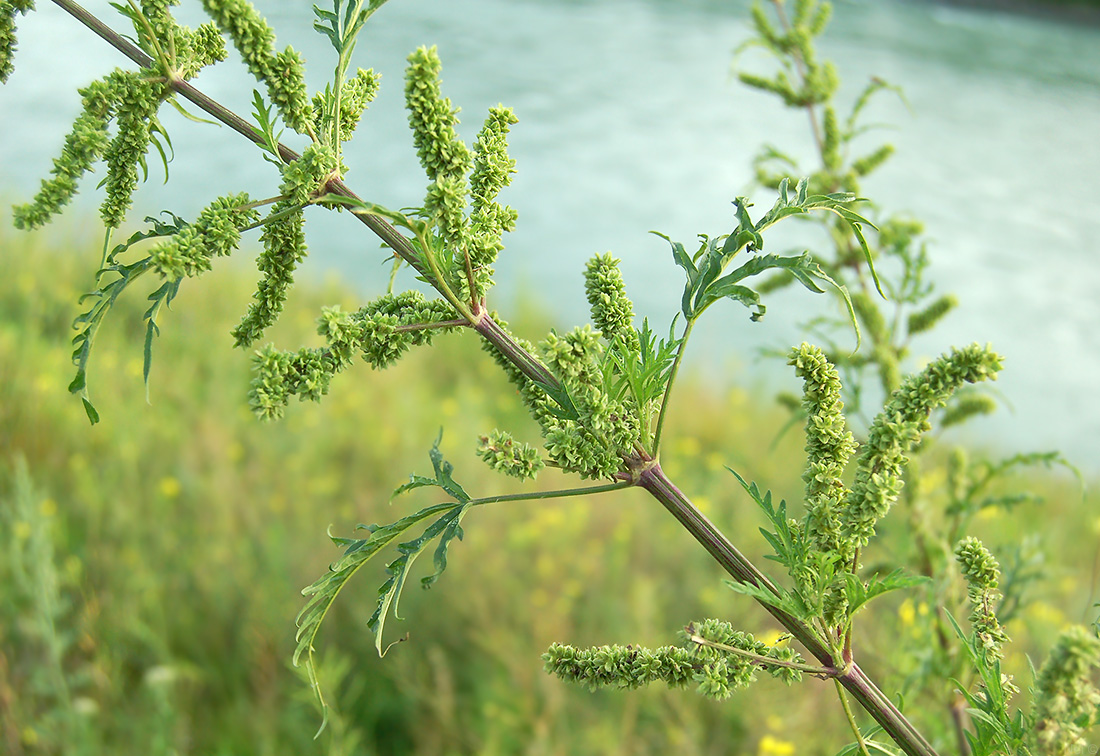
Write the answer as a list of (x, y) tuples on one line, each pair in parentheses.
[(630, 121)]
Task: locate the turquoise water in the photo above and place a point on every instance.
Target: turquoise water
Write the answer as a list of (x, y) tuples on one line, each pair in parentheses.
[(630, 121)]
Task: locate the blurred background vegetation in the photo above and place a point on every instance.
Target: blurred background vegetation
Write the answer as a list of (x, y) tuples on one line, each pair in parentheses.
[(151, 565)]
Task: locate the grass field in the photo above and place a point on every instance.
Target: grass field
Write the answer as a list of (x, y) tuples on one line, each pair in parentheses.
[(150, 566)]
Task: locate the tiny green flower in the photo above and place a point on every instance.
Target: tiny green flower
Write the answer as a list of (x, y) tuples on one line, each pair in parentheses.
[(503, 453)]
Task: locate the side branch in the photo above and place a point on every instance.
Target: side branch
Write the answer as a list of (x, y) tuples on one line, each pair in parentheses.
[(877, 704), (386, 232), (527, 363)]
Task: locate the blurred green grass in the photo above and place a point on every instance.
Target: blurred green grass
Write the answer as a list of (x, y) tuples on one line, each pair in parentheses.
[(152, 564)]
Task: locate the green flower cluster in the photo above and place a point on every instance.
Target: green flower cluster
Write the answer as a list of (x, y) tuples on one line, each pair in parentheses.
[(444, 156), (284, 239), (829, 444), (606, 429), (281, 375), (472, 242), (717, 672), (379, 332), (187, 51), (395, 322), (132, 100), (898, 428), (503, 453), (591, 439), (1067, 701), (621, 666), (215, 233), (489, 220), (927, 317), (967, 406), (982, 574), (283, 73), (612, 310), (432, 118), (356, 93), (820, 81), (8, 9), (137, 107)]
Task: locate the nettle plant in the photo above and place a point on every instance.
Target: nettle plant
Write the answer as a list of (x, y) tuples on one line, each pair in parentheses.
[(600, 393)]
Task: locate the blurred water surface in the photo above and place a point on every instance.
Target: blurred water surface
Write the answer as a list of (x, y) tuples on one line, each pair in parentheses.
[(630, 121)]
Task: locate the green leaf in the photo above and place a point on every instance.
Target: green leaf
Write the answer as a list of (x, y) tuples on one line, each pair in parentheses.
[(324, 590), (446, 528), (93, 415), (443, 479), (860, 593), (266, 116), (161, 297)]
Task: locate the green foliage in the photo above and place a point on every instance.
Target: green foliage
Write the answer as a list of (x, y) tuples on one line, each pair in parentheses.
[(600, 396), (8, 9), (187, 251), (247, 491), (1067, 697), (283, 72), (705, 282), (357, 552)]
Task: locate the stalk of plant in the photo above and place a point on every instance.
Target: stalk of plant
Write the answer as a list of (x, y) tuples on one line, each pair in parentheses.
[(600, 394)]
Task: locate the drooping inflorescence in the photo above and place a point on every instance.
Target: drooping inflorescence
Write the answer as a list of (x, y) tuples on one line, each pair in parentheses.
[(129, 98), (284, 239), (215, 233), (379, 332), (283, 72), (8, 9), (897, 429)]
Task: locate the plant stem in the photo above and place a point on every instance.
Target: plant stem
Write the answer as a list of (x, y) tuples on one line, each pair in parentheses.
[(652, 478), (514, 353), (559, 494), (851, 719), (668, 389), (801, 66), (764, 661), (877, 704), (387, 233)]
